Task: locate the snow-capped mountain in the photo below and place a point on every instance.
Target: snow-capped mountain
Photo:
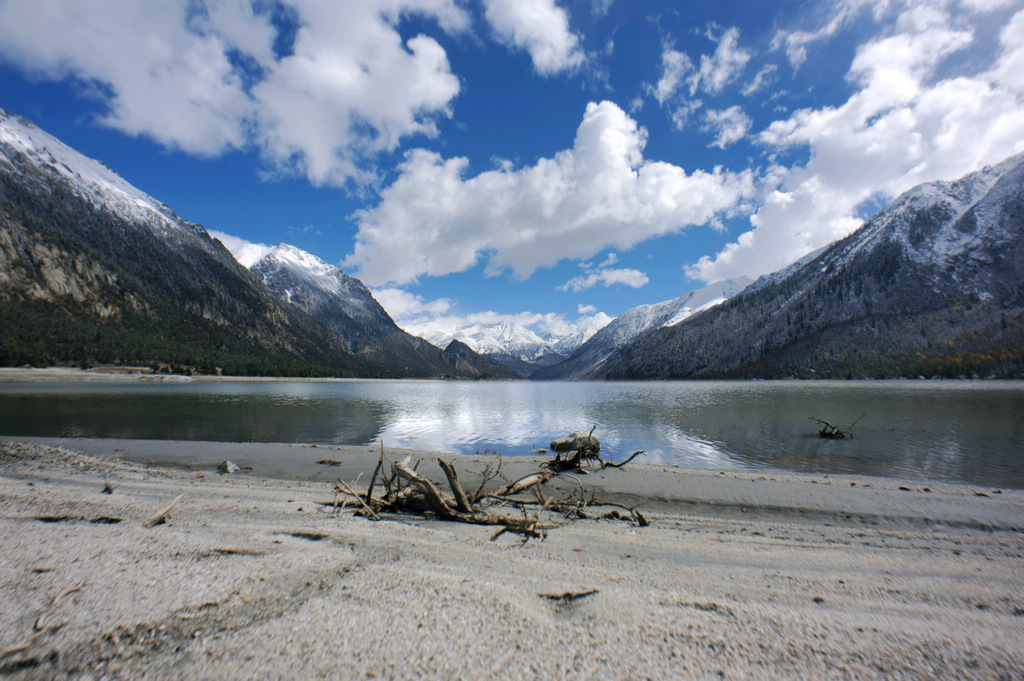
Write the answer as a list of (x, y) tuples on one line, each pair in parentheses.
[(933, 284), (503, 338), (346, 307), (339, 301), (92, 180), (512, 340), (94, 269), (587, 360)]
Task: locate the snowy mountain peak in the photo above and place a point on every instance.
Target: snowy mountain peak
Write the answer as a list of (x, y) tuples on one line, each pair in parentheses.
[(91, 179), (302, 261), (508, 338), (299, 277)]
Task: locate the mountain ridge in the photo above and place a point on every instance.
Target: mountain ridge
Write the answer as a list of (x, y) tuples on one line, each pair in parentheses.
[(931, 285)]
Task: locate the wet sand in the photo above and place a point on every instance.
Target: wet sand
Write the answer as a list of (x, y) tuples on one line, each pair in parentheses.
[(741, 574)]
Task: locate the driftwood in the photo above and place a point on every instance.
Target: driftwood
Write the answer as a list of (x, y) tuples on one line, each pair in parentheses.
[(579, 450), (163, 514), (831, 432), (408, 491)]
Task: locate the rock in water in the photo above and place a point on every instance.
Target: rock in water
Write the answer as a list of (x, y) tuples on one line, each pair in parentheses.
[(228, 467)]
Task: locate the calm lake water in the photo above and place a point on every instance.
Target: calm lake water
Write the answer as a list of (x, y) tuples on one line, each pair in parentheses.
[(954, 431)]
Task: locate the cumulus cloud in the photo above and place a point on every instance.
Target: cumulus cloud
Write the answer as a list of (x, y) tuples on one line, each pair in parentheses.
[(902, 126), (434, 219), (729, 125), (403, 305), (246, 252), (206, 76), (539, 27)]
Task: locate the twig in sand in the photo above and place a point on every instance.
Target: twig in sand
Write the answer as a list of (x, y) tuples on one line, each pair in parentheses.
[(163, 514), (41, 626), (359, 499), (569, 596), (609, 464)]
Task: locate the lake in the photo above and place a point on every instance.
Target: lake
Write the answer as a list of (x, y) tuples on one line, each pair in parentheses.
[(955, 431)]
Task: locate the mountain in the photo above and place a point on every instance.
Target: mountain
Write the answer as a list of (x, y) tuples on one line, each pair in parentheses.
[(587, 361), (93, 270), (466, 360), (932, 285), (503, 338), (515, 346), (346, 307)]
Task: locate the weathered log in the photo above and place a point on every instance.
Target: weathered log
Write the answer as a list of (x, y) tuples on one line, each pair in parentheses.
[(425, 487), (461, 501)]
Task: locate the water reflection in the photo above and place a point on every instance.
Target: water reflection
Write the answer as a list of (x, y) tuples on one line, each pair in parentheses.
[(958, 431)]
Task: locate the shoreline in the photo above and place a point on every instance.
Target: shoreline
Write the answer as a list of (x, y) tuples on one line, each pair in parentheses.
[(741, 573)]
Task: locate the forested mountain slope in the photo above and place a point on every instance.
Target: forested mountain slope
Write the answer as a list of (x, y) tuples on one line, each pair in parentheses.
[(933, 285)]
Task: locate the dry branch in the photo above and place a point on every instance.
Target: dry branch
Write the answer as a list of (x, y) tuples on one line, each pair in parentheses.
[(461, 502), (609, 464), (163, 514), (349, 491), (425, 487)]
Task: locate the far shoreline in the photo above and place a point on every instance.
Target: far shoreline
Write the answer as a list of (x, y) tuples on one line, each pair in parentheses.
[(127, 374)]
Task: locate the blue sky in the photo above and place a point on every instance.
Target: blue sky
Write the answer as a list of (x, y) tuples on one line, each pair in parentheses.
[(550, 162)]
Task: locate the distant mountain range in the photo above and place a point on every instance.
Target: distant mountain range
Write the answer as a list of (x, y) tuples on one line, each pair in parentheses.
[(92, 270)]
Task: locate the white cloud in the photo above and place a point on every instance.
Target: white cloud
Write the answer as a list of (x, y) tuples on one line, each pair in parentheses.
[(601, 193), (765, 77), (683, 112), (839, 14), (246, 252), (723, 67), (900, 128), (404, 305), (586, 309), (541, 28), (982, 6), (204, 77), (607, 277), (675, 66), (715, 72), (729, 125)]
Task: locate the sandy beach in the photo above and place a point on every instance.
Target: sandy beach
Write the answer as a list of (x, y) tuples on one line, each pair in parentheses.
[(741, 574)]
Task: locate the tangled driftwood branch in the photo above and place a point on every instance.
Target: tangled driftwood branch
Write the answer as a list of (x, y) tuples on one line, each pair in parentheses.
[(408, 491)]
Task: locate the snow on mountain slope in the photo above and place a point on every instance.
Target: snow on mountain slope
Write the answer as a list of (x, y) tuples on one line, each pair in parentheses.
[(931, 285), (93, 180), (503, 338), (304, 279), (713, 294), (633, 322)]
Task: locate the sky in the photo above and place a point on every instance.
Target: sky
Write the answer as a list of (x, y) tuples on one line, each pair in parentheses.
[(548, 162)]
